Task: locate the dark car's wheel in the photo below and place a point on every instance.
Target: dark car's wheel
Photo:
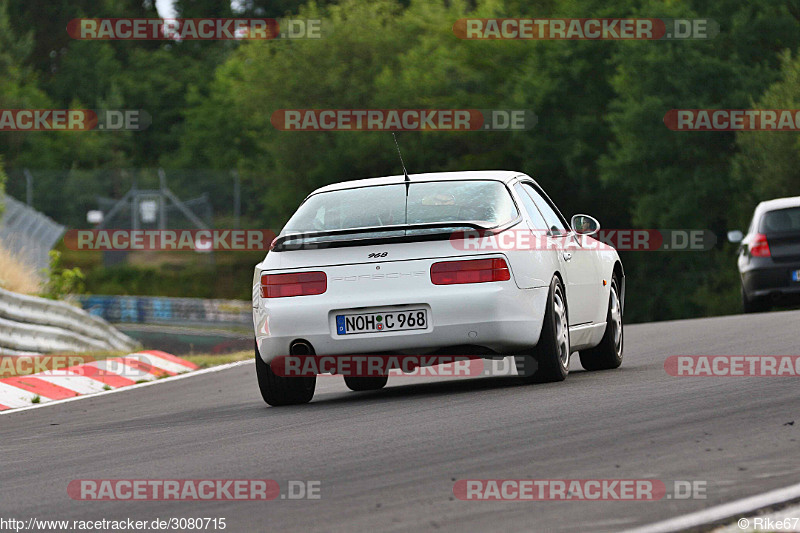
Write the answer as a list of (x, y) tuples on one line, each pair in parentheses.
[(608, 354), (365, 383), (753, 305), (549, 359), (278, 390)]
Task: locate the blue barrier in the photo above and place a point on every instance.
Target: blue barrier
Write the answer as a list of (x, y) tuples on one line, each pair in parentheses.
[(162, 310)]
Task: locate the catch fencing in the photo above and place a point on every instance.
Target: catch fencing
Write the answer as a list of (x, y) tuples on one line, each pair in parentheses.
[(27, 233)]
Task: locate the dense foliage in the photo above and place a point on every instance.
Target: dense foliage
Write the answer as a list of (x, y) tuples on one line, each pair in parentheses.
[(600, 145)]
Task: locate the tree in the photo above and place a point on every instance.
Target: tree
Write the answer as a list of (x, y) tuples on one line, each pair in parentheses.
[(682, 179), (273, 8), (381, 56), (768, 163), (232, 124), (18, 83)]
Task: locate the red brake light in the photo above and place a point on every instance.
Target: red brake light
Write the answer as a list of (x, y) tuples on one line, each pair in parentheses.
[(472, 271), (759, 247), (294, 284)]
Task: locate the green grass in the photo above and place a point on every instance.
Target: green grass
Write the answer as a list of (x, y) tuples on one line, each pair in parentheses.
[(209, 360), (167, 273)]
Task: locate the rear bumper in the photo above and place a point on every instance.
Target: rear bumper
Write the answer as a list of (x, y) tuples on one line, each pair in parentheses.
[(773, 280), (496, 315)]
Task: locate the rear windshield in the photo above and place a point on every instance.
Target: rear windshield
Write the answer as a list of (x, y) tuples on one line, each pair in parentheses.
[(781, 220), (485, 202)]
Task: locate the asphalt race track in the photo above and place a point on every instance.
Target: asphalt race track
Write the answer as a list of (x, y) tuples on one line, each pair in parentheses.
[(387, 460)]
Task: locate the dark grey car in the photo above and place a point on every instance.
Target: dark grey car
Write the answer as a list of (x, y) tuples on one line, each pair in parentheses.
[(769, 255)]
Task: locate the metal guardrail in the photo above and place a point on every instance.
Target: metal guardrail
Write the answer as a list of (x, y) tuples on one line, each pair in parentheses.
[(163, 310), (36, 325)]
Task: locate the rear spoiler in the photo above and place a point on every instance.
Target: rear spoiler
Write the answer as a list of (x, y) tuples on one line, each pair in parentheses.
[(280, 244)]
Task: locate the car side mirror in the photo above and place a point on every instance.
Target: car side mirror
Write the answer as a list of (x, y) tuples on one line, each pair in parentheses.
[(584, 225), (735, 236)]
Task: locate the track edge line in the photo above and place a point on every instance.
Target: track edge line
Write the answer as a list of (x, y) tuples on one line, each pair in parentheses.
[(724, 511)]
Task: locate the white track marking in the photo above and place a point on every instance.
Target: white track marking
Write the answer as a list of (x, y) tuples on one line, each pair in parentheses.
[(13, 397), (787, 516), (734, 509), (72, 381)]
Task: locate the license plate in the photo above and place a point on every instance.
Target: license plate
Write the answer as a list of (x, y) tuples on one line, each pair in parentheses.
[(796, 275), (380, 322)]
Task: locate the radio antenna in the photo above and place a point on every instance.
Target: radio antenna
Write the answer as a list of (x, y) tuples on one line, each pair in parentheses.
[(405, 172)]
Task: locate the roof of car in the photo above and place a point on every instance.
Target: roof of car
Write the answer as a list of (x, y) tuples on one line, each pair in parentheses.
[(778, 203), (497, 175)]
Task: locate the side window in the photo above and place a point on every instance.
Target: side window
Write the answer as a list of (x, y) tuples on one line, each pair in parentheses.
[(536, 217), (551, 217)]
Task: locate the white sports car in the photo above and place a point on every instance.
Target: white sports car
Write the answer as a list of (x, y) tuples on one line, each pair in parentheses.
[(455, 262)]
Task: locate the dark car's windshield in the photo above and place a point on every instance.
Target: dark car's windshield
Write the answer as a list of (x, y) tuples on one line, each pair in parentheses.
[(781, 220), (486, 202)]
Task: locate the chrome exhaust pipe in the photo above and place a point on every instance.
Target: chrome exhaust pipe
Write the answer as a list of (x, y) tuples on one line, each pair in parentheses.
[(301, 347)]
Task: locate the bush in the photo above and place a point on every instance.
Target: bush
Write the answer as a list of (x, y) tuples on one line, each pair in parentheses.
[(62, 281)]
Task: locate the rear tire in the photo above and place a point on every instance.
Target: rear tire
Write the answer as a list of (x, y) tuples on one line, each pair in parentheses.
[(549, 359), (365, 383), (278, 390), (608, 354), (753, 306)]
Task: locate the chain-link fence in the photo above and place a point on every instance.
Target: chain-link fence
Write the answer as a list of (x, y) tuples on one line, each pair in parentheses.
[(68, 195)]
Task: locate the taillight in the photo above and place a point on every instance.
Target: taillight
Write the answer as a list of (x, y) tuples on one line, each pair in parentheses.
[(759, 247), (294, 284), (471, 271)]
